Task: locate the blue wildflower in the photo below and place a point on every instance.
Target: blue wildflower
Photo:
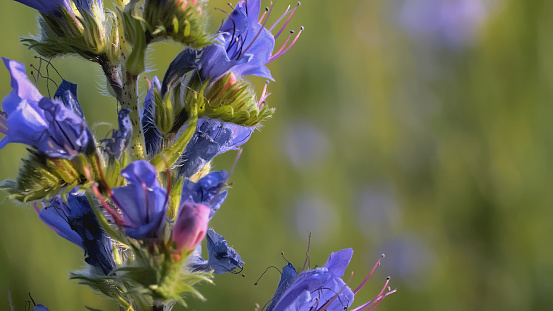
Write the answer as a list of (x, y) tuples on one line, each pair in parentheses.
[(121, 137), (206, 191), (244, 46), (75, 221), (143, 202), (47, 124), (321, 288), (40, 307), (212, 137), (53, 6), (221, 257)]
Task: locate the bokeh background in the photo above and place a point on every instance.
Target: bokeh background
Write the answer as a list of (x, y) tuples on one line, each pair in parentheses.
[(416, 128)]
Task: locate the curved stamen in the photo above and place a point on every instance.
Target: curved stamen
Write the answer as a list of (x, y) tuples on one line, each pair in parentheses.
[(263, 15), (276, 56), (264, 95), (287, 20), (368, 276)]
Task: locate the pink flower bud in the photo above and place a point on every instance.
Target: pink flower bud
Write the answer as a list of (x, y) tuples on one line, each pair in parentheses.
[(190, 227)]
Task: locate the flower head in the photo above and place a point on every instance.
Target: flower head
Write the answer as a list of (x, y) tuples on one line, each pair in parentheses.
[(244, 45), (207, 191), (221, 257), (45, 123), (75, 221), (143, 202), (212, 137), (321, 288)]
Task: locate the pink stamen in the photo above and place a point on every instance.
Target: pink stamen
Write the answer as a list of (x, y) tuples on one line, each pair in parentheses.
[(276, 56), (285, 43), (263, 16), (286, 23), (264, 95), (280, 18), (382, 298), (376, 300), (368, 276), (116, 216)]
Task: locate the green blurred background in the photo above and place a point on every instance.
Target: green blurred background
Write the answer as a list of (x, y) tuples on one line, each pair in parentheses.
[(416, 128)]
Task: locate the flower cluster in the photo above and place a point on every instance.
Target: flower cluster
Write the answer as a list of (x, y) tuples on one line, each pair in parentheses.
[(139, 202)]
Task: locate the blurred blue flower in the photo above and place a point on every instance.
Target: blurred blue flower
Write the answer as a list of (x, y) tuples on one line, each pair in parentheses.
[(47, 124), (212, 137), (321, 288), (143, 202), (53, 6), (243, 45), (40, 307), (75, 221), (221, 257), (206, 191), (449, 23)]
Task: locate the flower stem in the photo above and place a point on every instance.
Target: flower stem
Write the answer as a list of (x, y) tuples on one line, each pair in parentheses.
[(129, 100)]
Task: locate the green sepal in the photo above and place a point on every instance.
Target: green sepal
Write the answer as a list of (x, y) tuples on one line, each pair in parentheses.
[(135, 36), (164, 113), (77, 32), (168, 19), (40, 177), (230, 100), (171, 154), (174, 199)]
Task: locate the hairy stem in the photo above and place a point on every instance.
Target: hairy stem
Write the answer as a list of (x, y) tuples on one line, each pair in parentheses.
[(129, 100)]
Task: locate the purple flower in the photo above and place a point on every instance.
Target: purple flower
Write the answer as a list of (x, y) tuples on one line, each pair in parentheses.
[(121, 137), (207, 191), (312, 289), (212, 137), (244, 46), (40, 307), (47, 124), (190, 227), (143, 202), (321, 288), (53, 6), (75, 221), (221, 257)]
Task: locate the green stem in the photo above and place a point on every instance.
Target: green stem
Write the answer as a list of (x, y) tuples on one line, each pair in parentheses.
[(129, 100)]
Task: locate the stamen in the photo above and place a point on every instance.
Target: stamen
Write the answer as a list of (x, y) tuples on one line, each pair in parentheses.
[(377, 299), (230, 4), (3, 130), (287, 20), (276, 56), (368, 276), (285, 43), (263, 16), (307, 253), (264, 96)]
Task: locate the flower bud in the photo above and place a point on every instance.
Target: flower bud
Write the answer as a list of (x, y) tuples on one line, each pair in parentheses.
[(190, 227)]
